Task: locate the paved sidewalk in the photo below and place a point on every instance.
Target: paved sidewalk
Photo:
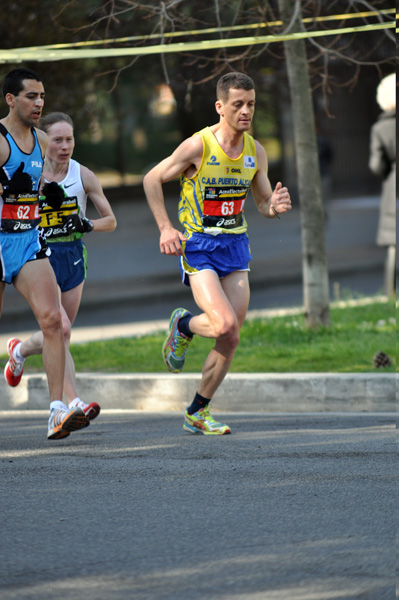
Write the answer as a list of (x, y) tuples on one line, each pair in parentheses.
[(121, 330)]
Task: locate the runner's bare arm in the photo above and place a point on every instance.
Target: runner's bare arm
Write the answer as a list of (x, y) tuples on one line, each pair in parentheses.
[(265, 197), (4, 154), (186, 155), (94, 190), (42, 139)]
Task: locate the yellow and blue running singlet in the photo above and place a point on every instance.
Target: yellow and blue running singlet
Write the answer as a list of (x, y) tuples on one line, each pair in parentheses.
[(211, 210), (213, 200)]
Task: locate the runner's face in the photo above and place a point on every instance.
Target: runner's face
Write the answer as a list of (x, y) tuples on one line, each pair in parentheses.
[(238, 110), (60, 142), (28, 105)]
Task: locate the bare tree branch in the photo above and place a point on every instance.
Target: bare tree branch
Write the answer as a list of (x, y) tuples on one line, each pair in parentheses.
[(170, 16)]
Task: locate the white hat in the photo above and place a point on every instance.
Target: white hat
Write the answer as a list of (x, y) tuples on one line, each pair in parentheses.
[(386, 92)]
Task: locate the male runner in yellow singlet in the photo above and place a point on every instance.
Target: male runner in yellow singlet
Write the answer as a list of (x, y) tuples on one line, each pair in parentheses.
[(217, 167)]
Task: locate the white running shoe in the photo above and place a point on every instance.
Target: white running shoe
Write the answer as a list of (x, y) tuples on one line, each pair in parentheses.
[(62, 422)]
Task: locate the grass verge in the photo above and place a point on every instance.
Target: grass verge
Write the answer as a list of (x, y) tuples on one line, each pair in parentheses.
[(274, 345)]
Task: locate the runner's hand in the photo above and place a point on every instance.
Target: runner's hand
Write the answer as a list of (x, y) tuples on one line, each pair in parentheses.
[(281, 199), (54, 194), (20, 182), (170, 242), (78, 224)]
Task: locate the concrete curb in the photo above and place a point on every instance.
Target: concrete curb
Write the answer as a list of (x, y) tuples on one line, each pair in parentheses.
[(257, 392)]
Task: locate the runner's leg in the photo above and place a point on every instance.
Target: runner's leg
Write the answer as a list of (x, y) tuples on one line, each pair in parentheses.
[(225, 303), (70, 303), (2, 289), (37, 284)]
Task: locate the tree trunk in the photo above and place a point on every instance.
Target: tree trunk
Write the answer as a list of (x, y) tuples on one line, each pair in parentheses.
[(120, 150), (314, 256)]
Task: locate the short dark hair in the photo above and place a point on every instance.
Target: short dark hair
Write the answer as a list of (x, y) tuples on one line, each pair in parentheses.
[(13, 81), (238, 81), (52, 118)]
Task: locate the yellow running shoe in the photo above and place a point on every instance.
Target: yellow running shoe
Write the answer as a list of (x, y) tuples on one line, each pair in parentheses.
[(203, 422), (175, 346)]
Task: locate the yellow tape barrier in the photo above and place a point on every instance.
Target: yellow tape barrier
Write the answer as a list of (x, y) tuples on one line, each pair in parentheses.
[(39, 55), (174, 34)]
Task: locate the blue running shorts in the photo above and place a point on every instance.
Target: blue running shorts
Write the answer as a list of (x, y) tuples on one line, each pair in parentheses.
[(69, 261), (223, 253), (16, 249)]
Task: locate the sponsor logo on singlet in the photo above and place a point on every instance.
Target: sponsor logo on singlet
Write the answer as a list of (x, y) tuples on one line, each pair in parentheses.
[(232, 170), (213, 161), (249, 162)]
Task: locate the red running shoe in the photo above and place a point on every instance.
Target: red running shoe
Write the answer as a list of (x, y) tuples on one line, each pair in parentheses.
[(91, 410), (13, 369)]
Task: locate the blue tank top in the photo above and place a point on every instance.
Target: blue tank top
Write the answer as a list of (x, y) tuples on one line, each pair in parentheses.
[(20, 212), (33, 162)]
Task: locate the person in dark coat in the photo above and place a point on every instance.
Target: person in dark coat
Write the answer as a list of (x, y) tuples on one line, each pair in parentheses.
[(382, 162)]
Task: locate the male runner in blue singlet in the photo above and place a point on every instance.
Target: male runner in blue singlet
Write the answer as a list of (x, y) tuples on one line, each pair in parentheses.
[(23, 255), (64, 228), (217, 167)]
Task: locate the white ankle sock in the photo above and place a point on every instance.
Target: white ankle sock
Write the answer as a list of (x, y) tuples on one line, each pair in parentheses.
[(17, 353), (76, 402), (56, 404)]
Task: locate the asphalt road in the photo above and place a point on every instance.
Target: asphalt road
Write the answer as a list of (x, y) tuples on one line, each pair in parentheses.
[(288, 507)]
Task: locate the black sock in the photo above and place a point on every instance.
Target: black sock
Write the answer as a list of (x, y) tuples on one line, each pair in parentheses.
[(198, 402), (184, 325)]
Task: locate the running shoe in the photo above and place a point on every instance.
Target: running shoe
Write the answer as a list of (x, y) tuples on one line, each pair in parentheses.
[(13, 369), (203, 422), (62, 422), (175, 346), (91, 410)]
